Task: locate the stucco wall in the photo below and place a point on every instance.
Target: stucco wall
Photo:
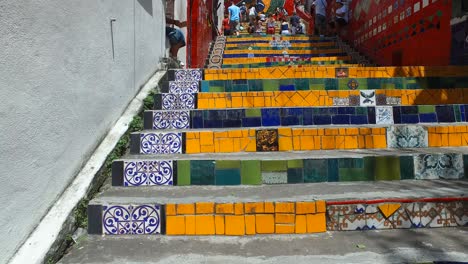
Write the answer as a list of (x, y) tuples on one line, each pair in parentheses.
[(61, 89)]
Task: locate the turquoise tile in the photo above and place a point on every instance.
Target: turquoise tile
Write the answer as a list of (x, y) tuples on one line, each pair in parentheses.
[(202, 172), (228, 177), (407, 168), (315, 170), (295, 175)]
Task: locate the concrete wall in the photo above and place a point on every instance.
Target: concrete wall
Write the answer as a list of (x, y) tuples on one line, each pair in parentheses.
[(61, 89)]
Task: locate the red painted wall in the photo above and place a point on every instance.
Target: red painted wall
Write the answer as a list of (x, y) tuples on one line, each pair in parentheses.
[(200, 31), (405, 35)]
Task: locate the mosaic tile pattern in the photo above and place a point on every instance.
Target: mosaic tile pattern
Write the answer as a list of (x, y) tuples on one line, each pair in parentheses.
[(178, 101), (408, 215), (188, 75), (407, 137), (216, 55), (367, 98), (177, 87), (384, 115), (171, 119), (438, 166), (246, 218), (156, 172), (131, 219), (267, 140), (160, 143)]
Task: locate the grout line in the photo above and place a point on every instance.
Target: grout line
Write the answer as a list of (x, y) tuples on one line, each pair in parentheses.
[(37, 245)]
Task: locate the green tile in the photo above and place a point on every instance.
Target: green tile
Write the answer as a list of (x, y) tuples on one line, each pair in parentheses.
[(253, 112), (202, 172), (343, 83), (270, 85), (422, 109), (216, 89), (406, 168), (317, 87), (227, 177), (315, 170), (295, 175), (183, 172), (353, 175), (227, 164), (301, 84), (387, 168), (251, 172), (274, 165), (286, 81), (295, 164)]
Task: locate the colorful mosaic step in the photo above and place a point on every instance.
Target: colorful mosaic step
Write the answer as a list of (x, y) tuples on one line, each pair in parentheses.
[(309, 208), (271, 169), (283, 44), (267, 117), (299, 139), (247, 62), (265, 53), (283, 61), (258, 85), (334, 72)]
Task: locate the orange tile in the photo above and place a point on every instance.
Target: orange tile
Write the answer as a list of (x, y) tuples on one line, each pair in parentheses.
[(442, 129), (219, 224), (296, 143), (207, 149), (204, 208), (434, 140), (305, 207), (340, 142), (239, 208), (342, 131), (170, 209), (328, 142), (285, 143), (225, 208), (455, 140), (369, 141), (444, 140), (265, 223), (202, 104), (236, 102), (301, 224), (380, 141), (284, 207), (175, 225), (320, 132), (284, 229), (190, 225), (375, 131), (252, 133), (234, 225), (361, 142), (259, 101), (331, 131), (220, 103), (206, 138), (365, 131), (226, 145), (250, 224), (316, 223), (204, 225), (284, 218), (321, 206), (251, 146), (284, 131), (252, 208), (351, 142), (235, 133), (307, 142), (269, 207), (185, 209), (192, 135)]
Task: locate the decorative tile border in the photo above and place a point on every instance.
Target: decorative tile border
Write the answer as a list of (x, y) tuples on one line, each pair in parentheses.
[(170, 119), (245, 218), (215, 60), (187, 75), (131, 219), (145, 172), (438, 166), (168, 101), (407, 137), (157, 143), (178, 87)]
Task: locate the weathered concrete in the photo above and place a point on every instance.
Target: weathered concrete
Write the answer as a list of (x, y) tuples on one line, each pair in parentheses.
[(389, 246), (285, 192)]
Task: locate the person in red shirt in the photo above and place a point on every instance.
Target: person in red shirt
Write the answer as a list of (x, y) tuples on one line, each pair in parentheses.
[(226, 26)]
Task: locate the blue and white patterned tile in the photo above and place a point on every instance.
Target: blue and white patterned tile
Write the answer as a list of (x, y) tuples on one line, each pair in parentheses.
[(189, 75), (131, 219), (413, 211), (438, 166), (178, 101), (154, 172), (176, 87), (393, 100), (384, 115), (377, 221), (367, 98), (407, 137), (400, 218), (160, 143), (171, 119)]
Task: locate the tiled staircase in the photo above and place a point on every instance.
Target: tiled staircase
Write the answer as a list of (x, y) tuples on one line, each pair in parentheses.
[(293, 147)]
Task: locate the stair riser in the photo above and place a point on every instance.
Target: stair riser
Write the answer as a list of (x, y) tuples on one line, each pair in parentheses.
[(279, 217), (281, 62), (136, 173), (267, 117), (326, 53), (298, 139)]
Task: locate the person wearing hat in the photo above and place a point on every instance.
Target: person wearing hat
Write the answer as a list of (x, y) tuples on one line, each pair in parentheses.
[(243, 11)]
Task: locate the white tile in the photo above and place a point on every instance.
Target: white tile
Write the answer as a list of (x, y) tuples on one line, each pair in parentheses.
[(417, 7), (425, 3), (384, 115), (367, 97), (389, 9)]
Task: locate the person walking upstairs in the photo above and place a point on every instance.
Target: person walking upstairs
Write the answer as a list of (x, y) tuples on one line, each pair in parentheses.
[(320, 7), (234, 18)]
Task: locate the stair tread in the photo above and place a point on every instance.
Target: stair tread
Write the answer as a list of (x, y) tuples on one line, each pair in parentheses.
[(412, 189)]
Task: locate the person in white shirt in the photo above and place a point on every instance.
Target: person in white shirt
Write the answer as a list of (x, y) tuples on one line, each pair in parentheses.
[(320, 7), (341, 17)]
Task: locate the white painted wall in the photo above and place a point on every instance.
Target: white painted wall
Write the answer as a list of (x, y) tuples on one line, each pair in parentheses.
[(60, 92)]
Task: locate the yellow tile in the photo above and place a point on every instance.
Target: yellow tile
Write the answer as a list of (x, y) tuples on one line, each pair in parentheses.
[(342, 131), (204, 208), (206, 138), (269, 207), (207, 149), (320, 132), (250, 224), (226, 145), (444, 140), (284, 207), (284, 218), (328, 142), (297, 143), (301, 224), (380, 141), (170, 209), (351, 142), (434, 140), (331, 131), (259, 101), (252, 133), (369, 141), (265, 223), (284, 131), (252, 146), (297, 132), (192, 135), (455, 140), (219, 224), (235, 133), (361, 142), (192, 146), (185, 209), (202, 103), (220, 103), (175, 225), (285, 143), (252, 208), (204, 225), (365, 131), (352, 131), (190, 225), (305, 207), (307, 143), (220, 134), (284, 229), (225, 208), (321, 206), (239, 208), (340, 142), (316, 223), (236, 102), (234, 225)]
